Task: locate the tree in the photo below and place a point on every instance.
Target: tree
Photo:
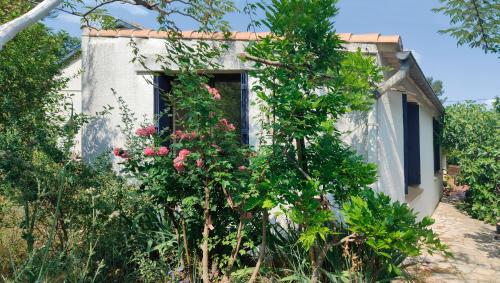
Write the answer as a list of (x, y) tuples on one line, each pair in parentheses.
[(437, 87), (474, 22), (306, 80)]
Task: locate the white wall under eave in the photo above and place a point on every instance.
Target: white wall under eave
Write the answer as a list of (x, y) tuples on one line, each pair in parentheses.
[(109, 71), (391, 145), (428, 193)]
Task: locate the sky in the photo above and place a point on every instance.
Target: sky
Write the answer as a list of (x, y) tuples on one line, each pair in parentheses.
[(466, 73)]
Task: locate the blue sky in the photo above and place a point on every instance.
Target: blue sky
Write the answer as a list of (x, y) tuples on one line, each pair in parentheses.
[(466, 73)]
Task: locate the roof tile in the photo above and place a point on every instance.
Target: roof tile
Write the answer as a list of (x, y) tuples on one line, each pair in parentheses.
[(243, 36)]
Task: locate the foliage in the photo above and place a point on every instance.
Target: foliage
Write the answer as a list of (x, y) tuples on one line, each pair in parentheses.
[(437, 87), (195, 178), (474, 22), (471, 138), (34, 136), (390, 233), (191, 202), (306, 81)]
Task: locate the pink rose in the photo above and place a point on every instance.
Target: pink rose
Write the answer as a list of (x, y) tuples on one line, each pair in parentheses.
[(120, 152), (179, 163), (199, 163), (217, 96), (214, 92), (224, 121), (226, 125), (149, 151), (242, 168), (141, 132), (162, 151), (184, 152), (193, 135), (150, 130), (231, 127), (124, 154)]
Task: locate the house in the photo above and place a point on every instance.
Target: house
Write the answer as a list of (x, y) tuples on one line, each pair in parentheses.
[(398, 134)]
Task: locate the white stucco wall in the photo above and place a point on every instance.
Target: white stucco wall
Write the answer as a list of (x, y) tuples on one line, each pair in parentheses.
[(391, 145), (108, 74), (428, 193)]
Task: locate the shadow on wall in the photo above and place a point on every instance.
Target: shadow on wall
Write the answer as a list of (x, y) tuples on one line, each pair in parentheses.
[(96, 138), (356, 135)]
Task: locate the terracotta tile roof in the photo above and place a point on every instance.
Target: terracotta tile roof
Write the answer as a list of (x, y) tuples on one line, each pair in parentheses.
[(243, 36)]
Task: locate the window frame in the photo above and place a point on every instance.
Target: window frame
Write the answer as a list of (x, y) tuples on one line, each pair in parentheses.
[(162, 83)]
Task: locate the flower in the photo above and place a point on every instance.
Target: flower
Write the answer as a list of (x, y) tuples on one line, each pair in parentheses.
[(231, 127), (179, 160), (199, 163), (162, 151), (226, 125), (149, 151), (141, 132), (184, 152), (214, 92), (178, 165), (120, 152), (242, 168), (124, 154), (147, 131), (151, 130), (185, 136)]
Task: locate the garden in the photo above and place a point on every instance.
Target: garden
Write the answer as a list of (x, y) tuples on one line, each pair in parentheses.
[(195, 204)]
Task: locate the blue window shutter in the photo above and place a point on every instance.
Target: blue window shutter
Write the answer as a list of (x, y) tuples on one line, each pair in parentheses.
[(436, 130), (244, 109), (163, 112), (413, 144), (405, 141)]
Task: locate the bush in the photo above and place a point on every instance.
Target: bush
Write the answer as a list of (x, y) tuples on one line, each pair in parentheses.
[(386, 233), (472, 139)]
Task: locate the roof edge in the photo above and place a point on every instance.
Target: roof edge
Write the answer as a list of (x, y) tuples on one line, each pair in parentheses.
[(237, 36)]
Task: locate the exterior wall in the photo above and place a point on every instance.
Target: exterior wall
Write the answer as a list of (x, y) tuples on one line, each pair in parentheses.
[(73, 90), (391, 145), (428, 194), (108, 75)]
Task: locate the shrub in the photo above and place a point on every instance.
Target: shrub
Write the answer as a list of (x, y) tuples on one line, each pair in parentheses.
[(472, 139), (385, 233)]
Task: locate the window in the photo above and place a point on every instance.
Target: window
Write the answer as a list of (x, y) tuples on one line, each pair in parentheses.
[(234, 92), (411, 128), (436, 134)]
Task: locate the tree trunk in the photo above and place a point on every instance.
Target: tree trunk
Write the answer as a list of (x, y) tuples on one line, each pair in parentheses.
[(186, 249), (206, 231), (9, 30), (263, 245)]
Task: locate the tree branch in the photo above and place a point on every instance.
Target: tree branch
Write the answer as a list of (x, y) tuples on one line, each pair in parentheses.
[(10, 29)]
